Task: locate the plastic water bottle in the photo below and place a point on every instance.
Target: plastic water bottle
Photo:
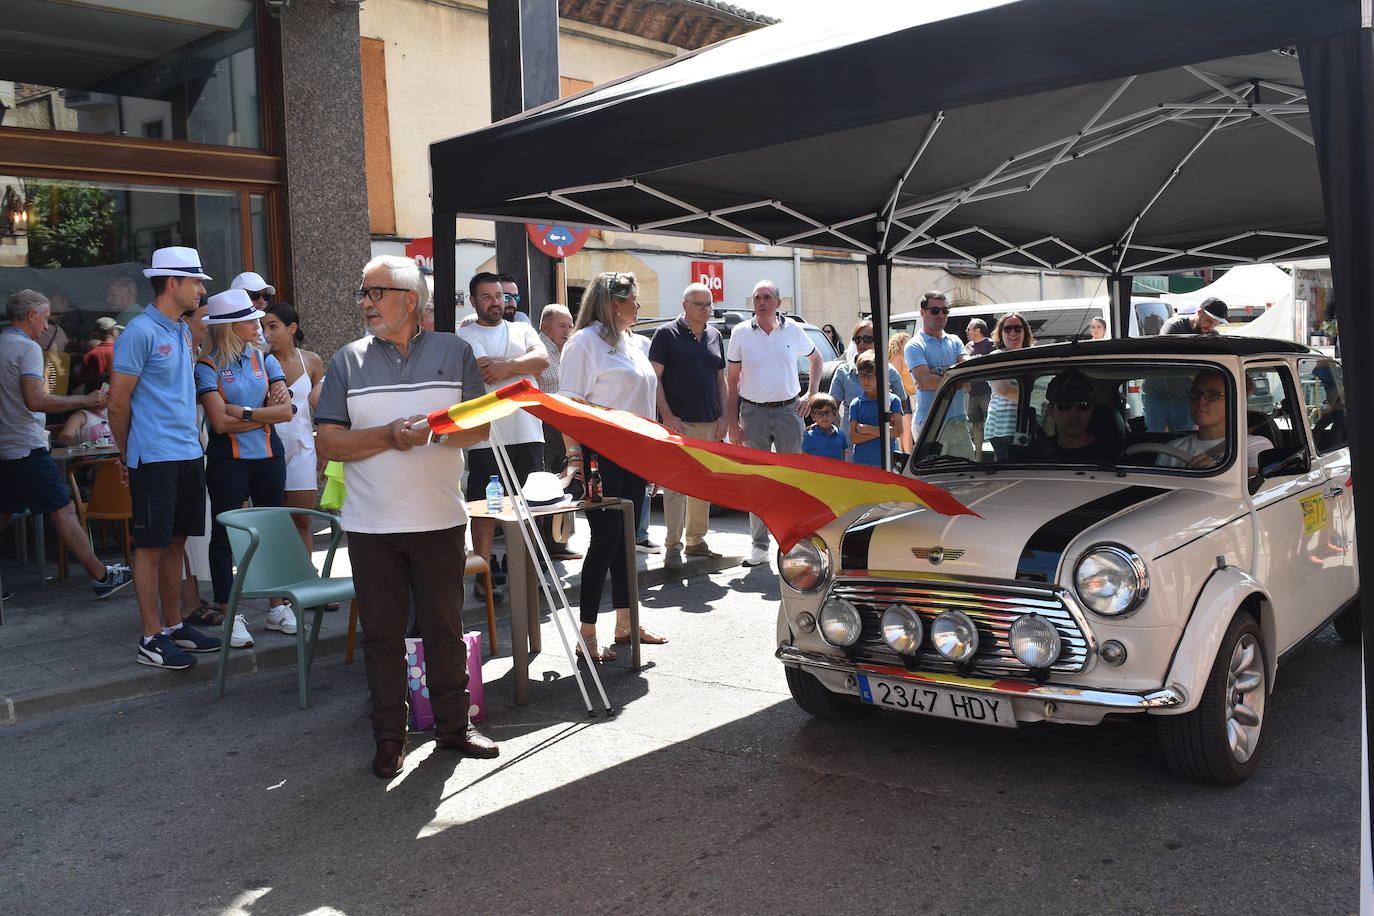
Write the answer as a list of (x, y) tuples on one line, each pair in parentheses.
[(496, 496)]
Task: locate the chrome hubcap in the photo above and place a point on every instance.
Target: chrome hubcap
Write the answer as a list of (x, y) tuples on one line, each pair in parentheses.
[(1245, 698)]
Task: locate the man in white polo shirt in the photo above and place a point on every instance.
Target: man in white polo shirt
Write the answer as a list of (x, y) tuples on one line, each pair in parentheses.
[(762, 405), (405, 516)]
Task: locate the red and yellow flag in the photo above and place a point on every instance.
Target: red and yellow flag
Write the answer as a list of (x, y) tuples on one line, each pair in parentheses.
[(794, 494)]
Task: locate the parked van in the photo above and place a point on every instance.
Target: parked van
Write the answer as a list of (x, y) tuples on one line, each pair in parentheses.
[(1051, 320)]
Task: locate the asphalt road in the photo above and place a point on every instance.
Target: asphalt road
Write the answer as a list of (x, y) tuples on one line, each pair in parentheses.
[(708, 792)]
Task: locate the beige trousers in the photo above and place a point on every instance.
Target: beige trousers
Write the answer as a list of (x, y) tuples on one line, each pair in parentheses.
[(677, 508)]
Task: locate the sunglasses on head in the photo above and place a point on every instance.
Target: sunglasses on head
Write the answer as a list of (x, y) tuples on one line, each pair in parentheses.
[(1205, 394), (863, 338), (1072, 405), (936, 309)]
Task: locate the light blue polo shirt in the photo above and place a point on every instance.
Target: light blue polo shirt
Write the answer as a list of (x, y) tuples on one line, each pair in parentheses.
[(163, 406), (243, 382), (936, 353)]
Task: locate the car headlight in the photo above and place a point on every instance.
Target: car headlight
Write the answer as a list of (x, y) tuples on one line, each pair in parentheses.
[(1034, 641), (1111, 581), (840, 623), (902, 629), (954, 636), (805, 567)]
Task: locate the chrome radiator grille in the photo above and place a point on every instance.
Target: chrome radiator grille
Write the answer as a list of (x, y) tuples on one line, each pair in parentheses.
[(992, 608)]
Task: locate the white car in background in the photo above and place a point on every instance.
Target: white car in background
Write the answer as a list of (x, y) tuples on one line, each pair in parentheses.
[(1099, 583)]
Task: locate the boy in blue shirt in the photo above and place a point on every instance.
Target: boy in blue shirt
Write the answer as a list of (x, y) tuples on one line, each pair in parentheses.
[(822, 438), (864, 431)]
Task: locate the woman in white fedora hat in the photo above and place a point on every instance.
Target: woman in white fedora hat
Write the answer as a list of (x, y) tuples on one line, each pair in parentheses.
[(243, 391)]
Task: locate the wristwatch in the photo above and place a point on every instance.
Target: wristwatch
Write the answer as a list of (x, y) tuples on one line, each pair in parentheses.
[(248, 414)]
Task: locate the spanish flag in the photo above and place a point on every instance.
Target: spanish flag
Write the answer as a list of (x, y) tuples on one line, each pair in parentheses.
[(793, 494)]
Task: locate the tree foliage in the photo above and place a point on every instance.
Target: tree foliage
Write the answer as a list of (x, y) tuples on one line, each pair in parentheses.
[(71, 226)]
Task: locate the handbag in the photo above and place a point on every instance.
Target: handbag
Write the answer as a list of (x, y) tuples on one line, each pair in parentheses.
[(421, 712)]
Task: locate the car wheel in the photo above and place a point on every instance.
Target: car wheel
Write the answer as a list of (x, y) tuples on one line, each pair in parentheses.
[(1347, 623), (1220, 741), (812, 696)]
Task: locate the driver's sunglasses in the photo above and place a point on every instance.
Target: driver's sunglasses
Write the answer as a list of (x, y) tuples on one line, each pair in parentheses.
[(1072, 405), (863, 338), (375, 293), (1205, 394), (936, 309)]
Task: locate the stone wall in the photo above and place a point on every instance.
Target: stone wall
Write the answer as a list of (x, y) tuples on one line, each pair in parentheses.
[(326, 169)]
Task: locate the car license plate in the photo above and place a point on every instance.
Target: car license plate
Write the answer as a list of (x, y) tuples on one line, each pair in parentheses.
[(926, 699)]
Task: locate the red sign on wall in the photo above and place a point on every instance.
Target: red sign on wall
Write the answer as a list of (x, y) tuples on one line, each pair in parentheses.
[(712, 273), (557, 241), (421, 251)]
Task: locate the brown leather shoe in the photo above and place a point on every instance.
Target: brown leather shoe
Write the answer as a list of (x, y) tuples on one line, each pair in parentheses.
[(700, 550), (471, 742), (389, 758)]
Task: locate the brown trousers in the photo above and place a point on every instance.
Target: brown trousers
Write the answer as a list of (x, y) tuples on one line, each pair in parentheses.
[(389, 570)]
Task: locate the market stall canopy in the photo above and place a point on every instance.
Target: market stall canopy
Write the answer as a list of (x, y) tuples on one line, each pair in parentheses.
[(1046, 134)]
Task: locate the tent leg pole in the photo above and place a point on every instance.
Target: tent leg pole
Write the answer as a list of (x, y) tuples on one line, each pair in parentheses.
[(445, 230), (1119, 291), (879, 291)]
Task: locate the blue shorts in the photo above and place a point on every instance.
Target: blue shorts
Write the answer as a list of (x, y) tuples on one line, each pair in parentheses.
[(33, 483)]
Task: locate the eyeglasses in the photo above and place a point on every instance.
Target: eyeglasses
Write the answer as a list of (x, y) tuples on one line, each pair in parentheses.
[(510, 297), (936, 309), (1072, 405), (258, 295), (863, 338), (375, 293), (1205, 394), (1009, 328)]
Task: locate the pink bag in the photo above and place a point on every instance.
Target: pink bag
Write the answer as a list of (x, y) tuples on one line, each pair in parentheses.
[(420, 710)]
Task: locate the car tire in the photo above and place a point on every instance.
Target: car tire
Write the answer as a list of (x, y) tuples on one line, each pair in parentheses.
[(812, 696), (1221, 740), (1348, 623)]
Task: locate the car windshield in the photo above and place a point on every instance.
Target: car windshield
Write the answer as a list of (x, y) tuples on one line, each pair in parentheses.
[(1143, 414)]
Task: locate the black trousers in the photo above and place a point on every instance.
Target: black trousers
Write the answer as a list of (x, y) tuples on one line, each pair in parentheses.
[(390, 573), (231, 481), (607, 550)]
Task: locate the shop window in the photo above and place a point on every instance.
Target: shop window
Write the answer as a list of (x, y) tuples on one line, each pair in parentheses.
[(85, 245), (189, 69)]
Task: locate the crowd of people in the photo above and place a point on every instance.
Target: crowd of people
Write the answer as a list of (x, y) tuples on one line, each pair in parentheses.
[(212, 402)]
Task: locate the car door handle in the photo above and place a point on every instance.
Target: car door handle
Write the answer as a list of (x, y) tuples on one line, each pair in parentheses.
[(1333, 493)]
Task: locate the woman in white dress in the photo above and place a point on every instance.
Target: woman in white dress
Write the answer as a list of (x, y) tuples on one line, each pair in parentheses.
[(304, 376)]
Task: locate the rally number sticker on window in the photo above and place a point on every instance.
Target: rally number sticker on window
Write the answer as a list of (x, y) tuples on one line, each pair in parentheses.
[(1314, 517)]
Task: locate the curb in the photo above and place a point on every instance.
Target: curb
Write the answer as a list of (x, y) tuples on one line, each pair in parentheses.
[(142, 682)]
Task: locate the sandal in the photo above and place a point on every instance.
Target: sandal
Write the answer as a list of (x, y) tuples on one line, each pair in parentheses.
[(622, 636), (205, 616), (599, 654)]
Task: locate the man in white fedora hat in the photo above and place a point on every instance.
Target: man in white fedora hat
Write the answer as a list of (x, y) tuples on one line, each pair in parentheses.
[(152, 414)]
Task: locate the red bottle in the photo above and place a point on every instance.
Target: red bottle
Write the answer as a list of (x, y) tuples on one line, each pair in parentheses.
[(594, 493)]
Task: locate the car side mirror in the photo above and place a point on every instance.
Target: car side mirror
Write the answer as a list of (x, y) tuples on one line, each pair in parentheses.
[(1280, 462)]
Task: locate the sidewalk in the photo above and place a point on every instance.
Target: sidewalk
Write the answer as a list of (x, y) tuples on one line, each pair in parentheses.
[(60, 648)]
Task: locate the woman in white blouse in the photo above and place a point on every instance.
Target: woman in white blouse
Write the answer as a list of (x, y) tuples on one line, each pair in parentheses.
[(604, 364)]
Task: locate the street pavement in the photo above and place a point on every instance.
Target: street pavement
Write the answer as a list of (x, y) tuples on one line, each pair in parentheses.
[(708, 791)]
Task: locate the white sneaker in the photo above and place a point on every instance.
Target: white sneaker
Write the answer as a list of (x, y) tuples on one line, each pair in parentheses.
[(280, 618), (758, 556), (240, 638)]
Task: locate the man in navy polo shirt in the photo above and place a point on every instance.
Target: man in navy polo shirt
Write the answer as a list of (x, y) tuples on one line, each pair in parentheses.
[(689, 357), (153, 419)]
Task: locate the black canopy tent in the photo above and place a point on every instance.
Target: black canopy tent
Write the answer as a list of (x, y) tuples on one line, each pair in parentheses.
[(1075, 135)]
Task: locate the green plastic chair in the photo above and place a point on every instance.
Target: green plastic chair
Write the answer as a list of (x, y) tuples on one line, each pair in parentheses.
[(272, 561)]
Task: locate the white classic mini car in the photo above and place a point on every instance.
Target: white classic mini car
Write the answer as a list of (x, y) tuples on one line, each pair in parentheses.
[(1146, 541)]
